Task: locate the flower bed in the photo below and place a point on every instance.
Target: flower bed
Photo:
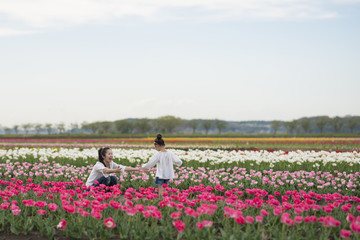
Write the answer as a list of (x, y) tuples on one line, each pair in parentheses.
[(305, 143), (215, 195), (201, 212)]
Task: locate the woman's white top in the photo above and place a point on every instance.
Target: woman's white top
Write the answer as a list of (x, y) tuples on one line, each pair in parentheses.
[(97, 172), (164, 164)]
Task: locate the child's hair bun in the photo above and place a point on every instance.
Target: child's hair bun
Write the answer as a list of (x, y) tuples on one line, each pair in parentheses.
[(159, 141)]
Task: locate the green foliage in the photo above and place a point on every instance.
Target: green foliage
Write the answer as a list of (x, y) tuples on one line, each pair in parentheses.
[(207, 124), (193, 124), (275, 125), (143, 125), (312, 126), (291, 126), (124, 126), (220, 125), (337, 123), (321, 122), (167, 124), (305, 124)]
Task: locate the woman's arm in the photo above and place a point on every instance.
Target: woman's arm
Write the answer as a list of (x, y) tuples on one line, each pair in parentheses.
[(108, 170), (132, 169)]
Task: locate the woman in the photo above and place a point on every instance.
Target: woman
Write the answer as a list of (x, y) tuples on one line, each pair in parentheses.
[(104, 169), (164, 160)]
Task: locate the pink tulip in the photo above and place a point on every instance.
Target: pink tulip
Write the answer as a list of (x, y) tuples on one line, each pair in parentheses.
[(298, 219), (96, 214), (350, 218), (240, 219), (139, 207), (146, 214), (175, 215), (199, 225), (40, 204), (179, 225), (41, 212), (345, 208), (277, 211), (285, 216), (249, 219), (109, 223), (16, 211), (191, 212), (131, 211), (327, 209), (162, 204), (28, 203), (259, 218), (61, 224), (289, 222), (264, 213), (207, 223), (355, 226), (69, 208), (345, 233), (5, 205), (298, 210), (156, 214), (83, 213), (52, 207)]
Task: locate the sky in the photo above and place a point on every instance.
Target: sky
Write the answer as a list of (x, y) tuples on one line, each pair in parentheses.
[(234, 60)]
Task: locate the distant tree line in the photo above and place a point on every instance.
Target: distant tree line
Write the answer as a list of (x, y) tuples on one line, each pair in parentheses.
[(164, 124), (320, 124), (171, 124)]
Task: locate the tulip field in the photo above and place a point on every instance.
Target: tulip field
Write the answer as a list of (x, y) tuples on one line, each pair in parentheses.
[(217, 194)]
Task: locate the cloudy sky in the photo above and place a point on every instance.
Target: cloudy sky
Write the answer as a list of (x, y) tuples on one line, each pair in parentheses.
[(91, 60)]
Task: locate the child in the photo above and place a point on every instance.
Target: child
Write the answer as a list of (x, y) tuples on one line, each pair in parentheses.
[(164, 161), (104, 169)]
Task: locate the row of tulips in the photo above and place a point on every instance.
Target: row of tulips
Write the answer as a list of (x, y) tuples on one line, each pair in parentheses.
[(191, 140), (338, 144), (270, 180), (199, 211), (219, 157)]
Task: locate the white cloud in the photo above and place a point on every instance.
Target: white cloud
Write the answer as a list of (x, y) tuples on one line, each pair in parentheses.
[(47, 13), (346, 1), (4, 32)]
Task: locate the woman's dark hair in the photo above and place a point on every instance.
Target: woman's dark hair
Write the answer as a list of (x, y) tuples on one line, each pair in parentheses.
[(102, 153), (159, 141)]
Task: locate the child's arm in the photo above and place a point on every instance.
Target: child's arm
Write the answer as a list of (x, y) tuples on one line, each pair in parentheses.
[(153, 160), (177, 161)]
